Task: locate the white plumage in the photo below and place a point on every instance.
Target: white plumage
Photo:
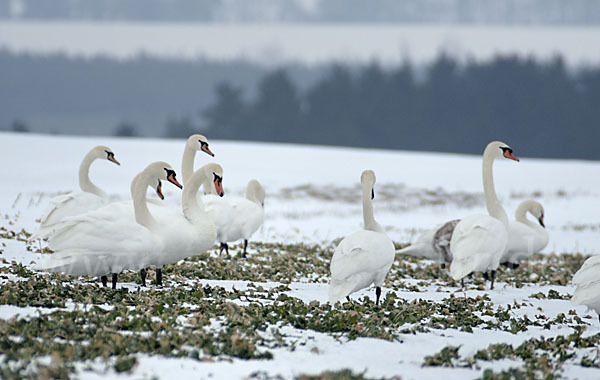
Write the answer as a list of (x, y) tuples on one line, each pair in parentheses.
[(479, 241), (115, 237), (90, 197), (524, 236), (364, 257), (237, 218), (587, 280)]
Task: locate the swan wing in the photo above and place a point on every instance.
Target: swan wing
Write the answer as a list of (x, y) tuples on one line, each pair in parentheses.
[(477, 244), (64, 206)]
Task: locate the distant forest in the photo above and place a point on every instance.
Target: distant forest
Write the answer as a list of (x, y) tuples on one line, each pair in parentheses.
[(543, 109), (539, 108), (585, 12)]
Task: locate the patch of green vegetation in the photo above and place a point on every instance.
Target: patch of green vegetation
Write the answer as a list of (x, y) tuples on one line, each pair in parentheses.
[(542, 358), (447, 357), (344, 374)]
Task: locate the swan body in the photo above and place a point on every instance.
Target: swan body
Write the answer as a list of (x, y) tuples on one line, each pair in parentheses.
[(237, 218), (479, 241), (112, 238), (524, 236), (90, 197), (587, 282), (364, 257), (190, 232)]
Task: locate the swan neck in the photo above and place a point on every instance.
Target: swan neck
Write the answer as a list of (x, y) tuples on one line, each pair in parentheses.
[(492, 202), (139, 186), (368, 217), (521, 216), (187, 163), (192, 209), (84, 176)]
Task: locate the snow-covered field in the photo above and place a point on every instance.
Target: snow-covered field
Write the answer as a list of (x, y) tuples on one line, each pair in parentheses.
[(308, 43), (313, 198)]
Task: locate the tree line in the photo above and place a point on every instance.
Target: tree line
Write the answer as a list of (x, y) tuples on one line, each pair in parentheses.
[(542, 108)]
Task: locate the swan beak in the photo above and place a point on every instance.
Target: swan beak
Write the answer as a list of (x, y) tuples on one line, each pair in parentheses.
[(171, 178), (219, 187), (207, 150), (372, 194), (541, 220), (508, 154), (112, 158), (159, 191)]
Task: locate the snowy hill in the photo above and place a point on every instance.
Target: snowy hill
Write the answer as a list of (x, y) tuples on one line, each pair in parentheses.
[(313, 197)]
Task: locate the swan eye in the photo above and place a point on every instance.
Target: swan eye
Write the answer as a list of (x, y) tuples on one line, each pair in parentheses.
[(506, 149), (170, 172), (217, 178)]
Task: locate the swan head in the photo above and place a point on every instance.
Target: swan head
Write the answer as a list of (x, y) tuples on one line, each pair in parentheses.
[(162, 171), (200, 143), (498, 149), (215, 173), (367, 178), (537, 210), (255, 192), (106, 153)]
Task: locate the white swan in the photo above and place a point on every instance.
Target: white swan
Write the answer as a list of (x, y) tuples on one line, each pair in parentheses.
[(587, 280), (364, 257), (524, 236), (479, 241), (248, 214), (189, 233), (114, 237), (77, 202)]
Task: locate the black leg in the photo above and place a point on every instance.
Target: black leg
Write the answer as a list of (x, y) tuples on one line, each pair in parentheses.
[(485, 276), (114, 280), (143, 276), (443, 265), (226, 248), (221, 248), (104, 280), (159, 276), (515, 265), (245, 246), (348, 298), (462, 282), (378, 294), (493, 277)]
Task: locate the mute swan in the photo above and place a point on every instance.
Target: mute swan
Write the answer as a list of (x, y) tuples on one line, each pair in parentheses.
[(524, 236), (114, 237), (191, 232), (77, 202), (479, 241), (364, 257), (247, 215), (587, 280)]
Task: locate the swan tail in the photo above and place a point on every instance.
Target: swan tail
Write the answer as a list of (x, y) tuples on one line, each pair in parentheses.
[(41, 233), (337, 292), (415, 250), (75, 262), (459, 269)]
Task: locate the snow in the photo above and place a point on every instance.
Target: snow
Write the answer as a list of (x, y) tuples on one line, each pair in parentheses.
[(274, 44), (37, 167)]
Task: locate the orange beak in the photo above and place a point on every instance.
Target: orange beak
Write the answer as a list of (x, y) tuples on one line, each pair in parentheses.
[(172, 179), (113, 159), (509, 155), (159, 191), (219, 187), (207, 150)]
